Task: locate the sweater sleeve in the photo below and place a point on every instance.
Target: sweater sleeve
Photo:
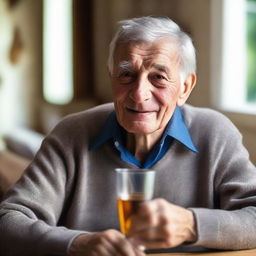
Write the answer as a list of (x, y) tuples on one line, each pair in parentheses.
[(232, 222), (31, 213)]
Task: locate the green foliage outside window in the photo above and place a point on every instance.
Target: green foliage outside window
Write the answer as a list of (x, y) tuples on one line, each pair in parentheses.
[(251, 52)]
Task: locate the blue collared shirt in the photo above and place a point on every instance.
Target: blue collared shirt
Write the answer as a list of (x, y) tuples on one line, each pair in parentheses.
[(175, 130)]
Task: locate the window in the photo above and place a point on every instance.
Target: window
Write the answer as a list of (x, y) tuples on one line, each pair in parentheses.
[(233, 80), (251, 51), (57, 51), (68, 51)]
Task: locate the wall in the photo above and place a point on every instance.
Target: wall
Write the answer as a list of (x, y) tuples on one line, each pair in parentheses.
[(20, 64)]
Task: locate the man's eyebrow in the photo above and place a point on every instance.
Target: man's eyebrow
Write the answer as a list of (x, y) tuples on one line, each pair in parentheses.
[(161, 68), (124, 65)]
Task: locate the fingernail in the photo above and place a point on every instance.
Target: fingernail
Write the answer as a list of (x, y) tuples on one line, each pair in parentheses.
[(141, 248)]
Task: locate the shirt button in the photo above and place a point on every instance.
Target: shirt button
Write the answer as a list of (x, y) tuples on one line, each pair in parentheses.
[(116, 144)]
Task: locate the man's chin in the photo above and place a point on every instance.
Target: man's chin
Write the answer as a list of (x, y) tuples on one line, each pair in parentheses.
[(140, 129)]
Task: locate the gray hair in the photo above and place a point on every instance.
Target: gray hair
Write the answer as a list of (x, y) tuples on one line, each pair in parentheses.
[(150, 29)]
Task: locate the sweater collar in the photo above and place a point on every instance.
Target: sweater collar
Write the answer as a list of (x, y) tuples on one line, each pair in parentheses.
[(176, 129)]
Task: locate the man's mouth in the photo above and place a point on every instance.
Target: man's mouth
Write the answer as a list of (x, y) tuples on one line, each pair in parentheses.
[(137, 111), (140, 111)]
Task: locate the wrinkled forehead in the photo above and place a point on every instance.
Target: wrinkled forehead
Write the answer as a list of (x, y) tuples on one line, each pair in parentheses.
[(162, 51)]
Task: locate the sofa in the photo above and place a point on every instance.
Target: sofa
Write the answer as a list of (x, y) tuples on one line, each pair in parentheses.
[(21, 146)]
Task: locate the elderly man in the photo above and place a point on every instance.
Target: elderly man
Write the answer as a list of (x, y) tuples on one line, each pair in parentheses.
[(65, 204)]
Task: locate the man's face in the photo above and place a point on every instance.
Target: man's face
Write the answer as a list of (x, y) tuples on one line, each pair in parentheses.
[(146, 85)]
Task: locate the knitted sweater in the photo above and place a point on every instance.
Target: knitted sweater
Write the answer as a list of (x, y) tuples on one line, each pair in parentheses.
[(68, 190)]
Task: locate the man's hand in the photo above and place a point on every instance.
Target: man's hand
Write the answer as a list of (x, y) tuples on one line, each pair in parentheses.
[(160, 224), (109, 242)]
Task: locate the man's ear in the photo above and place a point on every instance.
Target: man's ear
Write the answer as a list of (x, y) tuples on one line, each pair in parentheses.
[(186, 88)]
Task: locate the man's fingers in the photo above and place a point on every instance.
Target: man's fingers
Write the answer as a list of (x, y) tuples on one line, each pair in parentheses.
[(150, 215), (109, 242), (154, 233), (155, 244), (160, 224), (123, 246)]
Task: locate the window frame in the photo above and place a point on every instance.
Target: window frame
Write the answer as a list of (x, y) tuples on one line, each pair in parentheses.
[(245, 118)]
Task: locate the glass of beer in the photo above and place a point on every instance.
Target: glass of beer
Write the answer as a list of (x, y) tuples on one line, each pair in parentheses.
[(133, 187)]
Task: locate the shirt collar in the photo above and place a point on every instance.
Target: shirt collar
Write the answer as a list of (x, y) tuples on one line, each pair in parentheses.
[(176, 129)]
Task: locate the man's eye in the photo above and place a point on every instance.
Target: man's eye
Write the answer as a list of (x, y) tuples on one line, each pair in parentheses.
[(159, 80), (125, 74), (159, 77), (126, 77)]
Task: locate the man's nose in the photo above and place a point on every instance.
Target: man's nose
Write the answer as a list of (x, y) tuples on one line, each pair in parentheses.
[(141, 90)]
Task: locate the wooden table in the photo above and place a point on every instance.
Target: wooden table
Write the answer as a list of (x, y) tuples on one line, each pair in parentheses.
[(223, 253)]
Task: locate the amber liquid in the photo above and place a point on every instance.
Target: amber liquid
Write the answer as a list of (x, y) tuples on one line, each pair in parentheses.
[(126, 208)]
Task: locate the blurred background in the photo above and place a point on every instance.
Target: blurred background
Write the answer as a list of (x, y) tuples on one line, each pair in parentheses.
[(53, 57)]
